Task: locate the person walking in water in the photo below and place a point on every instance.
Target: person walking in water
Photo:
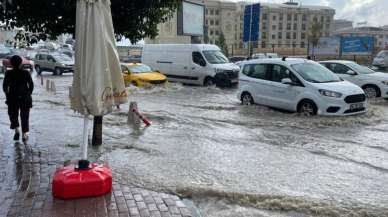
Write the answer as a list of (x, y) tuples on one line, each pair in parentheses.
[(18, 87)]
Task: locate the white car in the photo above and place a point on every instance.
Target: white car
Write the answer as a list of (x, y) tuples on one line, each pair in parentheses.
[(375, 84), (381, 60), (299, 85)]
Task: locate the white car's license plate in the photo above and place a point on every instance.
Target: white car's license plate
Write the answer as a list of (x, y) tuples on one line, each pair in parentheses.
[(356, 106)]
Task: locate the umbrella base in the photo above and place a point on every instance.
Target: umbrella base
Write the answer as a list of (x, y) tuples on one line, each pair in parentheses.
[(70, 182)]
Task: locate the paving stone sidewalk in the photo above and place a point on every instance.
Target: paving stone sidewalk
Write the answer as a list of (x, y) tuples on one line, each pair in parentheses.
[(30, 194)]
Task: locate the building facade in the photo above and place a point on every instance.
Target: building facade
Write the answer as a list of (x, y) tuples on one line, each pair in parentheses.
[(342, 24), (283, 28)]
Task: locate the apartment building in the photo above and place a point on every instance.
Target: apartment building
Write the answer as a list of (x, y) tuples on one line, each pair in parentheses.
[(283, 28)]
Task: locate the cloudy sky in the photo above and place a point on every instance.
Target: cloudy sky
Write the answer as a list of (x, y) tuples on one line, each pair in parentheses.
[(375, 12)]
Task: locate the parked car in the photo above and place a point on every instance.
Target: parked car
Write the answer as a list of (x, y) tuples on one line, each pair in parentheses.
[(26, 63), (235, 59), (259, 56), (56, 63), (141, 75), (381, 60), (299, 85), (200, 64), (375, 84)]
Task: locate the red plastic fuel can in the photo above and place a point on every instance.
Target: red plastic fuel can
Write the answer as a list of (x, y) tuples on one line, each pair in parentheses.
[(70, 182)]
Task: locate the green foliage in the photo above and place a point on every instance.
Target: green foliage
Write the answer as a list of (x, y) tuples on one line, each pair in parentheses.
[(221, 43), (134, 19)]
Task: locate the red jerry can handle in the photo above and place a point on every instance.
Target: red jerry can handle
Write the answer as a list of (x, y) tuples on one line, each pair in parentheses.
[(144, 119)]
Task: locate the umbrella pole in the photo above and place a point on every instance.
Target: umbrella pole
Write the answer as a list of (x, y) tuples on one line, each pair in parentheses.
[(85, 139)]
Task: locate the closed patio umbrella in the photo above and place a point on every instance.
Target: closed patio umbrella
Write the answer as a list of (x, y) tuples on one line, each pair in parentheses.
[(97, 84), (97, 87)]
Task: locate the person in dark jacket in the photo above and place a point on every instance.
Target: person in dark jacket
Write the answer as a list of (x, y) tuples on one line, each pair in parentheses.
[(18, 87)]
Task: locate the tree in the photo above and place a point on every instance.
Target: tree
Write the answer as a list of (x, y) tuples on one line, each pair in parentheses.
[(134, 19), (315, 33), (221, 43)]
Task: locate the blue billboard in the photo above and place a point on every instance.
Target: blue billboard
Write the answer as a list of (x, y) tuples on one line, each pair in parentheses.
[(354, 45), (251, 22)]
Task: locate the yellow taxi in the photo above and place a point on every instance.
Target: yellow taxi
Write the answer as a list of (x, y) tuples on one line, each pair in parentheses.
[(141, 75)]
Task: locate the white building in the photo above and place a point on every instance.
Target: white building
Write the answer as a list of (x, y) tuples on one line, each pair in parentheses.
[(283, 28), (342, 24)]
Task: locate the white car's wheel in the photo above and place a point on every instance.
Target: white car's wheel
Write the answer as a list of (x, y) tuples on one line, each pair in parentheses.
[(307, 108), (247, 99), (371, 92)]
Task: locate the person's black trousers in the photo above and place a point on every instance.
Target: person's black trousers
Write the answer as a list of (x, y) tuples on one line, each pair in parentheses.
[(13, 113)]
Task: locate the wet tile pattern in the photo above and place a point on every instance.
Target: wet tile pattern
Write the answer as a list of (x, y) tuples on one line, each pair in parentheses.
[(31, 195)]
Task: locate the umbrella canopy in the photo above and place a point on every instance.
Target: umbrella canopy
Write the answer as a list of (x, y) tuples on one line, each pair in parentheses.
[(97, 84)]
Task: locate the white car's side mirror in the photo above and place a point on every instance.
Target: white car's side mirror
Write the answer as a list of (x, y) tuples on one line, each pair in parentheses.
[(287, 81), (351, 72)]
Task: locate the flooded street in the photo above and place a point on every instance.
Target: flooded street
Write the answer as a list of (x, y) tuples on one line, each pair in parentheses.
[(231, 160)]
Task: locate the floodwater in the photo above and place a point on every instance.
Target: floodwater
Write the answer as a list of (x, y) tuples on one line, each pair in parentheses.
[(231, 160)]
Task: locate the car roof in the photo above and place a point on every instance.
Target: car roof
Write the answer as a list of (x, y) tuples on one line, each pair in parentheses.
[(287, 61), (337, 61)]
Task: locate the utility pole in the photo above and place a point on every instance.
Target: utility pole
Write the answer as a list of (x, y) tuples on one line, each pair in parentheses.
[(250, 32)]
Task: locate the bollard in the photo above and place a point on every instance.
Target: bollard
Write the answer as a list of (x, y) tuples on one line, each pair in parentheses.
[(52, 87), (48, 84), (133, 119), (41, 80)]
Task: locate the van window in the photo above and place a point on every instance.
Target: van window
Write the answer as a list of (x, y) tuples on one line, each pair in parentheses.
[(215, 57), (280, 72), (198, 58), (258, 71)]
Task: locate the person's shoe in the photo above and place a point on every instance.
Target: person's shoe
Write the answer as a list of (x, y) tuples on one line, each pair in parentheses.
[(25, 137), (16, 137)]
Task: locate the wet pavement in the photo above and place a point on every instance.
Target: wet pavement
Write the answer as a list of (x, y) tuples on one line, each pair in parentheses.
[(229, 160)]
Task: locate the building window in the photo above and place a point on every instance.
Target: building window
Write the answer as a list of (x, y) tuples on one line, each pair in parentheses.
[(217, 22), (264, 16), (273, 37), (280, 35), (302, 44), (328, 19), (207, 11), (321, 19), (274, 18), (281, 17), (288, 35), (217, 11), (327, 26), (303, 35), (280, 26), (294, 35), (264, 26), (216, 32), (211, 11), (289, 17), (264, 35), (304, 17), (211, 32), (207, 22), (295, 17), (211, 22), (295, 26), (273, 27), (288, 26), (263, 44), (303, 26)]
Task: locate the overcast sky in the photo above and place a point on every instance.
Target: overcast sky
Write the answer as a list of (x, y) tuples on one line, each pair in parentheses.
[(375, 12)]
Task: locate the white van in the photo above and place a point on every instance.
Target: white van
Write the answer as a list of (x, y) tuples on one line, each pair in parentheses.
[(200, 64)]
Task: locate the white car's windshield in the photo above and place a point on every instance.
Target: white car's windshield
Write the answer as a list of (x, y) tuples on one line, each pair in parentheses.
[(215, 57), (139, 68), (315, 73), (382, 54), (360, 69)]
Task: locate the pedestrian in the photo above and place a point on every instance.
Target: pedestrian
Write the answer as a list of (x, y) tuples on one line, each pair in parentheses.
[(18, 87)]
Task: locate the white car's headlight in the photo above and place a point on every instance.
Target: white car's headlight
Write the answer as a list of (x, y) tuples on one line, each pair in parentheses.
[(385, 82), (330, 93)]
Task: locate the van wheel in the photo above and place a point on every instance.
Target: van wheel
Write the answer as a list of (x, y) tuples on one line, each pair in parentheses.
[(307, 108), (208, 82), (247, 99), (371, 91), (38, 70), (57, 71)]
